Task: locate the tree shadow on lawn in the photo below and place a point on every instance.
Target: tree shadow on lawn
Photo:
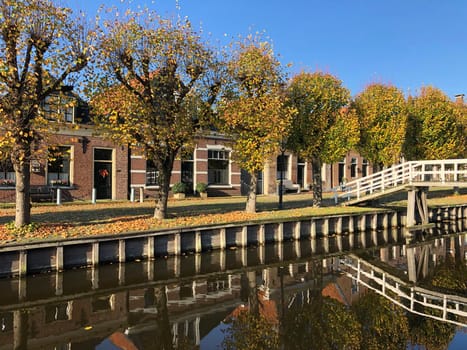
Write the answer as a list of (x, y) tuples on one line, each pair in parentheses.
[(87, 214)]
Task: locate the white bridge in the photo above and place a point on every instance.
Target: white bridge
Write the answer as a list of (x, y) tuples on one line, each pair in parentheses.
[(420, 301), (415, 177)]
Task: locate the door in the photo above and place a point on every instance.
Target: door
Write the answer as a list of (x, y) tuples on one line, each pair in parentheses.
[(103, 173)]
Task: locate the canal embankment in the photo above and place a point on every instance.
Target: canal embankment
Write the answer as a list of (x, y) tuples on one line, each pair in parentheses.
[(61, 253)]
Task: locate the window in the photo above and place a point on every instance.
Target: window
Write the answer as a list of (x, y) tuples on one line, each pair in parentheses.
[(353, 168), (283, 167), (152, 174), (57, 107), (58, 167), (218, 167), (364, 167), (7, 173)]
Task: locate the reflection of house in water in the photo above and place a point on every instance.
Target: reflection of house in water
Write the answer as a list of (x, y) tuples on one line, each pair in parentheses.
[(176, 299)]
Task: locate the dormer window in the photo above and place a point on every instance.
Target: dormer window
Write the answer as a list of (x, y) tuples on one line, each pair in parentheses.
[(59, 108)]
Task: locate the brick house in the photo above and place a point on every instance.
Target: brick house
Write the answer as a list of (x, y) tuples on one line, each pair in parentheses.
[(83, 164)]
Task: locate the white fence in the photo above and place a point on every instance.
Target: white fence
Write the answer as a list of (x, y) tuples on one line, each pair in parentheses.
[(420, 301), (449, 172)]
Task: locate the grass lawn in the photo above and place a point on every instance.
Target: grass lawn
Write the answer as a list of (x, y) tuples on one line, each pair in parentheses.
[(85, 219)]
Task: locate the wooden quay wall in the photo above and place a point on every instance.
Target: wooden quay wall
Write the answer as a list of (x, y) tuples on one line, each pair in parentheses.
[(57, 255)]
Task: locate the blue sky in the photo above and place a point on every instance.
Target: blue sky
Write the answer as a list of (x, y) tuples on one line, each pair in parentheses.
[(408, 43)]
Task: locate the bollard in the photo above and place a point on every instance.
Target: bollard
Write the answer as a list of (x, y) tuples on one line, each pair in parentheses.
[(94, 196), (132, 194), (59, 196)]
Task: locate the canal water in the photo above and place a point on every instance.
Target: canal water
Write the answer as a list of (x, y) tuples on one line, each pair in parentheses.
[(377, 290)]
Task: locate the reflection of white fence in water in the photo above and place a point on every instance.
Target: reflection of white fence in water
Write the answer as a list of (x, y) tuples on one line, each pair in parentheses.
[(449, 173), (442, 307)]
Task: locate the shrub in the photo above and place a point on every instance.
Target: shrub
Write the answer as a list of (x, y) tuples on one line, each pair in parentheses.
[(201, 187), (179, 187)]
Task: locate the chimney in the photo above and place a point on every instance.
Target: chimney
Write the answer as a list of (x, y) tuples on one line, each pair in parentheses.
[(460, 99)]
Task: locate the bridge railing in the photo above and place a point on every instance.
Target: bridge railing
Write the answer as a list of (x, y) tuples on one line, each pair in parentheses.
[(435, 172), (421, 301)]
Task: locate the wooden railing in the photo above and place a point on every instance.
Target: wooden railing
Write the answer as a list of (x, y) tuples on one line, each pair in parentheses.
[(449, 172), (420, 301)]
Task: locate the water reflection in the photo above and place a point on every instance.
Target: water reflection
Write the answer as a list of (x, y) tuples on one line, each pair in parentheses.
[(339, 292)]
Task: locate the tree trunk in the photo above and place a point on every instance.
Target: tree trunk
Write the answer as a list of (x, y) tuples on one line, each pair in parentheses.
[(317, 184), (162, 195), (165, 166), (23, 195), (251, 198)]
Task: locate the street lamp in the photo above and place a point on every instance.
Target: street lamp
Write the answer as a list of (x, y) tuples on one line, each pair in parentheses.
[(281, 175)]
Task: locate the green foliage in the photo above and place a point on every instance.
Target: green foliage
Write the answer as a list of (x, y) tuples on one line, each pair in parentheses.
[(384, 324), (201, 187), (382, 113), (434, 129), (251, 332), (179, 187)]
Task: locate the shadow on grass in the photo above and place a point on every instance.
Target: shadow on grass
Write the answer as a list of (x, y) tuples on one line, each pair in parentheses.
[(89, 214)]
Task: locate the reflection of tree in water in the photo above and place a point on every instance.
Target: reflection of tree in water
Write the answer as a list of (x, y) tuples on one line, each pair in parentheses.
[(432, 334), (324, 323), (372, 322), (162, 337), (451, 275), (252, 326), (251, 332), (384, 324)]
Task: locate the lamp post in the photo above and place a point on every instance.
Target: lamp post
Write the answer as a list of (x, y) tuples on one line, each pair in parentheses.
[(281, 175)]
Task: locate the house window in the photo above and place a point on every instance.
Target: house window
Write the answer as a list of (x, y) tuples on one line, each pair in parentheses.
[(283, 167), (364, 167), (218, 167), (68, 113), (58, 167), (56, 107), (353, 168), (152, 174), (7, 173)]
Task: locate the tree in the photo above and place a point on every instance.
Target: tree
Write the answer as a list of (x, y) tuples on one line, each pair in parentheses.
[(42, 48), (461, 107), (324, 130), (434, 129), (252, 111), (152, 92), (382, 113)]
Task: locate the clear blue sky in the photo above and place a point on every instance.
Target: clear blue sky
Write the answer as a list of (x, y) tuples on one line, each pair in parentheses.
[(408, 43)]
